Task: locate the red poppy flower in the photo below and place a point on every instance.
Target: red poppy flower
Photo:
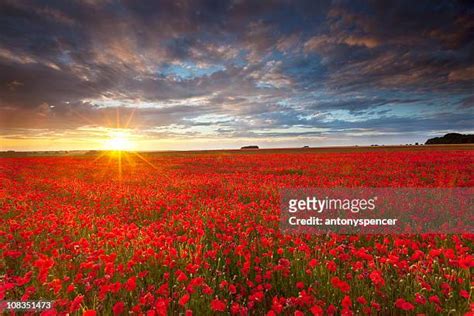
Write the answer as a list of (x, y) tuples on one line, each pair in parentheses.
[(184, 299), (346, 302), (404, 305), (118, 308), (317, 310), (218, 305), (376, 277)]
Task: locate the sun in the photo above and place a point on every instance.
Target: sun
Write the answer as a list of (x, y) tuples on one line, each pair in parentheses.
[(118, 141)]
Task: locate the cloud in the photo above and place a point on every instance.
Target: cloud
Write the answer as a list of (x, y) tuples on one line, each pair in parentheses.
[(464, 74), (241, 68)]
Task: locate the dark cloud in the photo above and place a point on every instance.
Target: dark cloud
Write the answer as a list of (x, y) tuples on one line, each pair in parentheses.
[(237, 67)]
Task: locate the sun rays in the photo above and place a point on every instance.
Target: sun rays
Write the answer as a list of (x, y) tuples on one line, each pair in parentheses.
[(119, 146)]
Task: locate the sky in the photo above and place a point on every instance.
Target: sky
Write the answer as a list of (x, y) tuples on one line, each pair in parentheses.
[(198, 74)]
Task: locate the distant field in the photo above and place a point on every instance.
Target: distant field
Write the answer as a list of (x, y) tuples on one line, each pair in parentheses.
[(334, 149)]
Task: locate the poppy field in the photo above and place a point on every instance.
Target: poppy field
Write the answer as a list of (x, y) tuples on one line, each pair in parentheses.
[(198, 234)]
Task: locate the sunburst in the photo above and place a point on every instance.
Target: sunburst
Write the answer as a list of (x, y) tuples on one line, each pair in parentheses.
[(119, 141), (119, 145)]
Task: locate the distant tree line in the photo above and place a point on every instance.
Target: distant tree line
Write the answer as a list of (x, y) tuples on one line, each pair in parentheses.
[(452, 138)]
